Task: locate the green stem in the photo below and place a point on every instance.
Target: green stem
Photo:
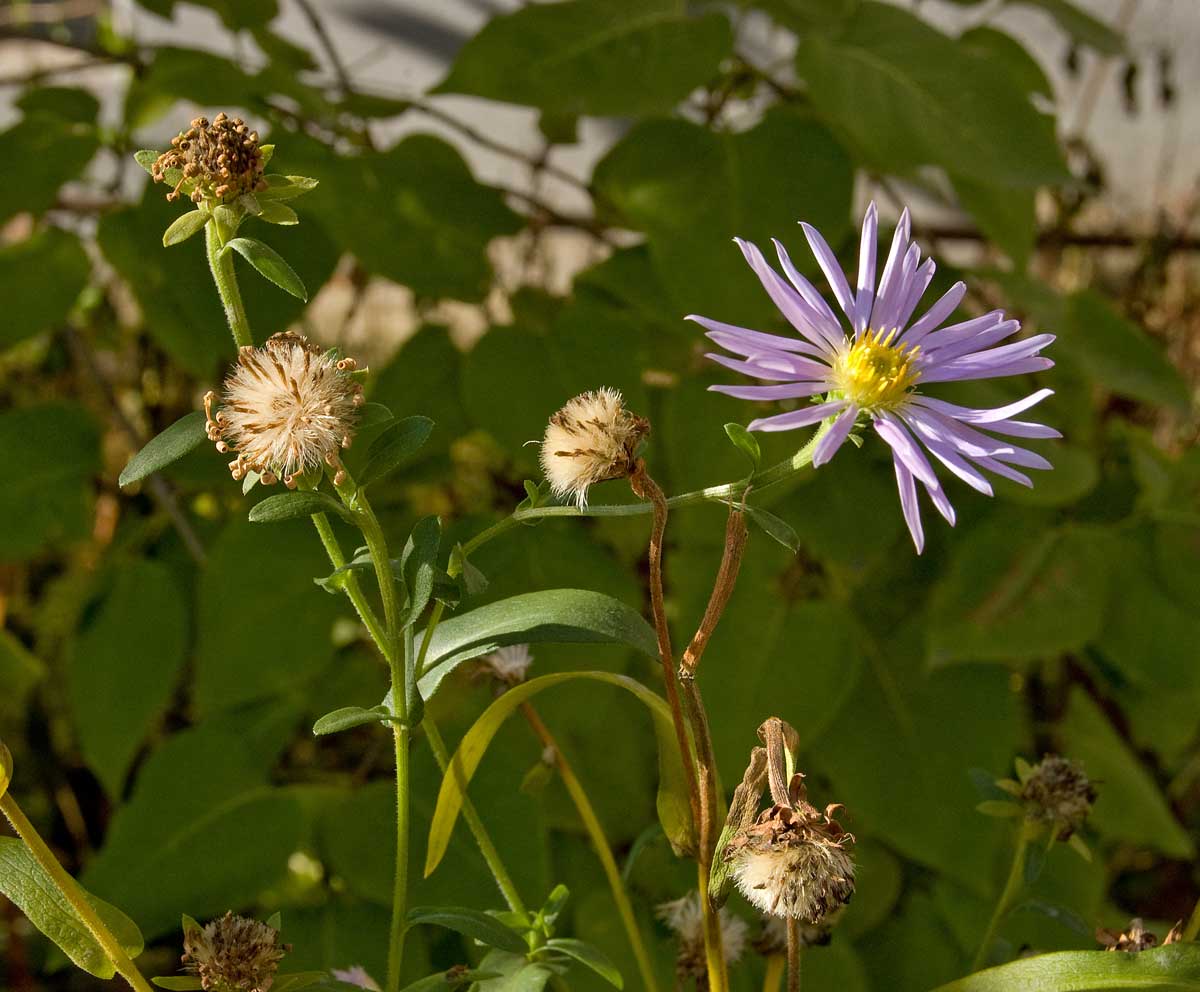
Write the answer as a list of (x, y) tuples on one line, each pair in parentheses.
[(793, 954), (1012, 889), (726, 493), (773, 976), (74, 895), (600, 844), (221, 264), (714, 941), (399, 925), (351, 584)]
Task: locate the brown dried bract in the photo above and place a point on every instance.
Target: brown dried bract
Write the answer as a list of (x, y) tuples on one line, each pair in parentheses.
[(1137, 937)]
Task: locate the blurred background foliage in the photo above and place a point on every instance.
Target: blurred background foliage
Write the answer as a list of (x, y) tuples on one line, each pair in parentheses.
[(519, 202)]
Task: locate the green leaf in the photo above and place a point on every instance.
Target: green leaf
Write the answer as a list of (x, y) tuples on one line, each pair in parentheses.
[(40, 280), (592, 57), (775, 527), (443, 981), (513, 973), (588, 955), (349, 717), (285, 187), (1129, 806), (746, 443), (47, 498), (1118, 355), (270, 265), (1004, 48), (274, 212), (418, 565), (146, 158), (471, 922), (1081, 25), (32, 890), (186, 433), (561, 616), (45, 151), (127, 661), (66, 102), (908, 96), (1175, 968), (397, 443), (184, 226), (673, 809), (1005, 215), (1017, 592), (299, 503)]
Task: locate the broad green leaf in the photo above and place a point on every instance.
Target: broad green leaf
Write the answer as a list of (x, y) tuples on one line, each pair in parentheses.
[(592, 57), (673, 810), (479, 926), (425, 375), (45, 151), (127, 662), (40, 280), (1117, 354), (32, 890), (1017, 592), (270, 265), (418, 565), (994, 44), (20, 671), (1004, 214), (1076, 473), (185, 226), (169, 446), (46, 500), (66, 102), (1080, 25), (1162, 969), (514, 973), (1130, 806), (561, 616), (809, 15), (397, 443), (274, 212), (443, 981), (292, 505), (349, 717), (908, 95), (589, 955)]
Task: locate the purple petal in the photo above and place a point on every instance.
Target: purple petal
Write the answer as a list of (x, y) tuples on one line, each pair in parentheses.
[(906, 449), (892, 266), (916, 289), (829, 265), (933, 317), (955, 372), (944, 452), (773, 366), (864, 299), (1024, 428), (797, 418), (1025, 458), (828, 446), (1009, 473), (792, 391), (832, 328), (790, 303), (941, 502), (965, 440), (731, 332), (962, 331), (1006, 352), (887, 307), (983, 416), (908, 503)]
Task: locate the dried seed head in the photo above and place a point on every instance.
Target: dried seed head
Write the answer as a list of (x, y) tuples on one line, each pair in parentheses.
[(591, 439), (1058, 793), (792, 861), (1136, 937), (685, 919), (233, 954), (356, 975), (509, 664), (217, 160), (287, 408)]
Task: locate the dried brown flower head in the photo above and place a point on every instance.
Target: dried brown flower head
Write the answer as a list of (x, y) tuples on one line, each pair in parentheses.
[(233, 954), (287, 408), (217, 160), (591, 439), (1057, 792), (1136, 937), (684, 917)]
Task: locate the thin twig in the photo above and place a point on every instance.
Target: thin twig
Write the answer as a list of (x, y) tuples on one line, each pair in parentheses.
[(731, 563)]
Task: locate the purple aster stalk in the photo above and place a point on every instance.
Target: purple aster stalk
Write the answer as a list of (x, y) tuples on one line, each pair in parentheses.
[(878, 370)]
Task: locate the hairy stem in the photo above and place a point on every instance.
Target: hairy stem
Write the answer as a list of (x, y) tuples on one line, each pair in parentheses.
[(793, 954), (74, 895), (221, 264), (599, 843), (1012, 889)]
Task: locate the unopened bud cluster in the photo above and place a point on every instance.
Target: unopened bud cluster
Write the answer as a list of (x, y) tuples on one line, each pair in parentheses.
[(233, 954), (287, 408), (218, 160), (1058, 793)]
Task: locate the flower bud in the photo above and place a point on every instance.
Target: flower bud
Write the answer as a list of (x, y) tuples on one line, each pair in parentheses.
[(216, 161), (287, 408), (685, 919), (1057, 792), (233, 954), (591, 439)]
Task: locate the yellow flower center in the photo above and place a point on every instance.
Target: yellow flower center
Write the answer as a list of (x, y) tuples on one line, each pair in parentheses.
[(875, 373)]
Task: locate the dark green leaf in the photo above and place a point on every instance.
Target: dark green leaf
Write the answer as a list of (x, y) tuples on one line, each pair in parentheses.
[(590, 956), (443, 981), (993, 44), (274, 212), (291, 505), (394, 446), (268, 263), (1175, 968), (20, 671), (68, 103), (31, 890), (471, 922), (349, 717), (40, 280), (775, 527), (513, 973), (592, 57), (563, 616), (1005, 215), (418, 565), (169, 446), (45, 151), (185, 226), (746, 443)]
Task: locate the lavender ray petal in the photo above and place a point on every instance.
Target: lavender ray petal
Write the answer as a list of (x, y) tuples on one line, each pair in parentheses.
[(790, 303), (1025, 458), (1005, 352), (891, 267), (807, 290), (933, 317), (864, 298), (971, 415), (887, 306), (916, 290), (797, 418), (759, 339), (828, 446), (984, 370), (905, 447), (999, 468), (833, 271), (940, 353), (908, 503), (756, 369), (792, 391), (965, 440), (944, 452)]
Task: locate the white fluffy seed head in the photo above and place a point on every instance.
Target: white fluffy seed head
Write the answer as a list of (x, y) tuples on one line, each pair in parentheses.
[(287, 408), (591, 439), (685, 919), (510, 663), (804, 880)]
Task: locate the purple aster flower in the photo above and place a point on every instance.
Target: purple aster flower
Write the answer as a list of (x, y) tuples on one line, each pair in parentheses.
[(878, 371)]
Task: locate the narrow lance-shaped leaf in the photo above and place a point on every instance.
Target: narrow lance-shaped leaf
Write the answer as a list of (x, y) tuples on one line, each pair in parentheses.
[(395, 445), (673, 810), (169, 446), (290, 505), (184, 226), (589, 955), (268, 263), (1175, 967), (471, 922)]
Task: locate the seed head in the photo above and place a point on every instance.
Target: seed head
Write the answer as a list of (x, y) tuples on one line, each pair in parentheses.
[(685, 918), (509, 664), (217, 160), (233, 954), (793, 861), (1057, 792), (591, 439), (1136, 937), (287, 408)]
